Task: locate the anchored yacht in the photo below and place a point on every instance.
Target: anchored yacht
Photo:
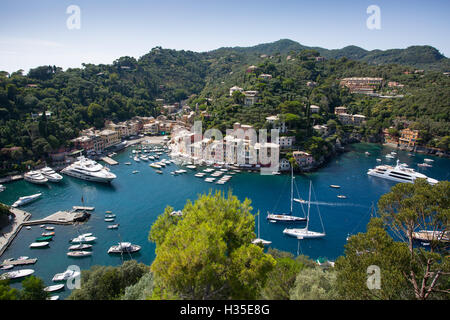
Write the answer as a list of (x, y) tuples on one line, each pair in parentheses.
[(35, 177), (399, 173), (89, 170), (51, 175)]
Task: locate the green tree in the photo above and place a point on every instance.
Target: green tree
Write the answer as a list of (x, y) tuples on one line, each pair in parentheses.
[(33, 289), (208, 254), (142, 290), (108, 283), (8, 293), (420, 206), (315, 284)]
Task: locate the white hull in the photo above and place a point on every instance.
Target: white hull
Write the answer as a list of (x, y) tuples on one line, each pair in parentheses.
[(24, 200), (410, 179), (303, 233), (87, 177), (284, 218)]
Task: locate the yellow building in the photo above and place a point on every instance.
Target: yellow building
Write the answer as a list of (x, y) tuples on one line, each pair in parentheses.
[(408, 137)]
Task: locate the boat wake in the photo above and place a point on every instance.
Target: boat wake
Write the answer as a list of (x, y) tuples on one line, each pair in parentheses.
[(337, 204)]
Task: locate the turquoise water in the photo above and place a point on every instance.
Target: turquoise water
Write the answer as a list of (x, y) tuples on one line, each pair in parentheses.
[(138, 199)]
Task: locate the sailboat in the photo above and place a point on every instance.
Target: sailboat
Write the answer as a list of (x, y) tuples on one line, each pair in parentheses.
[(286, 217), (259, 240), (305, 233)]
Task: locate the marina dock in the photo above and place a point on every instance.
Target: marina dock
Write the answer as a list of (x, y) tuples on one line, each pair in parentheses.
[(19, 262), (22, 220), (109, 161)]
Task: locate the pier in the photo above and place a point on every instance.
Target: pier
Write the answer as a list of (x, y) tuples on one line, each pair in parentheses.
[(109, 161), (77, 208), (19, 262), (22, 220)]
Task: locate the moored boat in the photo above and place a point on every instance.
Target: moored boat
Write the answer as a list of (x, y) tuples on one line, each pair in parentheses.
[(25, 200), (35, 177), (16, 274), (39, 244), (81, 246), (79, 254), (54, 288), (124, 247), (63, 276)]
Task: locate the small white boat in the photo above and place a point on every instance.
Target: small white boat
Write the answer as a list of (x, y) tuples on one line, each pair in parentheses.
[(428, 160), (181, 171), (25, 200), (16, 274), (342, 196), (50, 228), (128, 163), (389, 156), (191, 167), (53, 298), (109, 219), (79, 254), (63, 276), (84, 239), (124, 247), (22, 258), (54, 288), (424, 165), (378, 160), (136, 159), (110, 215), (334, 186), (28, 227), (135, 171), (42, 226), (39, 244), (113, 226), (7, 267), (2, 188), (367, 153), (159, 171), (81, 246), (154, 165)]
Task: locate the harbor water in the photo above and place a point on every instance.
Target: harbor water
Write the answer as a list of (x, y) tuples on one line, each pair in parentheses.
[(138, 199)]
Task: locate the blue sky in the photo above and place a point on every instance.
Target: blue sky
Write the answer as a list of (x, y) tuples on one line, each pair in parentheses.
[(34, 33)]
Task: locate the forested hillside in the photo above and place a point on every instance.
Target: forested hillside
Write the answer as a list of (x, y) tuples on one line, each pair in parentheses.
[(82, 97)]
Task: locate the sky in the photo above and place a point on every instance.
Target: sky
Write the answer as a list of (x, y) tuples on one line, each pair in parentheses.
[(34, 33)]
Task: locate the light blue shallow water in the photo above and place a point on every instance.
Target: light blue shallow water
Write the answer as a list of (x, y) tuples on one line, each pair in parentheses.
[(138, 199)]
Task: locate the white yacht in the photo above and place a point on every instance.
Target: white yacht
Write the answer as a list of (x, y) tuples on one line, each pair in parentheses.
[(399, 173), (304, 233), (35, 177), (68, 274), (25, 200), (89, 170), (274, 217), (51, 175), (2, 188)]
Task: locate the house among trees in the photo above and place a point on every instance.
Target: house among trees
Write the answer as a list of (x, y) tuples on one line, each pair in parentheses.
[(303, 159), (364, 85), (314, 108), (408, 138), (251, 97), (265, 76), (277, 124), (235, 88)]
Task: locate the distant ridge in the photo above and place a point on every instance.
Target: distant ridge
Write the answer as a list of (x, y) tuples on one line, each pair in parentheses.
[(423, 57)]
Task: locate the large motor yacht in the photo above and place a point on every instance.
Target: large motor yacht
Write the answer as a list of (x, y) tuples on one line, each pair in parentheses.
[(35, 177), (89, 170), (51, 175), (399, 173)]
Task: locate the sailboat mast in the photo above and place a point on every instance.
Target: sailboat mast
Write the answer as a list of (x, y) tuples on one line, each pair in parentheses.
[(292, 186), (309, 204), (258, 227)]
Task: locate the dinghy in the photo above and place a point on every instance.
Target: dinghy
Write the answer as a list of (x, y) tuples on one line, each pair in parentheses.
[(79, 254), (54, 288)]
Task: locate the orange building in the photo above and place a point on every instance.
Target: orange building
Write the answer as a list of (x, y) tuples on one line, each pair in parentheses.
[(408, 137)]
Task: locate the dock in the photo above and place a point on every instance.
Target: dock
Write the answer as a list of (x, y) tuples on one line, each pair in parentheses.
[(109, 161), (22, 220), (19, 262)]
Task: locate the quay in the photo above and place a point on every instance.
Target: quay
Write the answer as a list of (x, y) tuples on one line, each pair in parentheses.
[(22, 220), (11, 178), (109, 161)]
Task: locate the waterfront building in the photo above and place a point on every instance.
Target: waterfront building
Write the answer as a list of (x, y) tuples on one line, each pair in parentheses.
[(151, 128), (109, 137), (285, 165), (408, 137), (303, 159), (349, 119)]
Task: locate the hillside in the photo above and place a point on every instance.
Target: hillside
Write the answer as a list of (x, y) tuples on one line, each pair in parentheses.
[(421, 57)]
